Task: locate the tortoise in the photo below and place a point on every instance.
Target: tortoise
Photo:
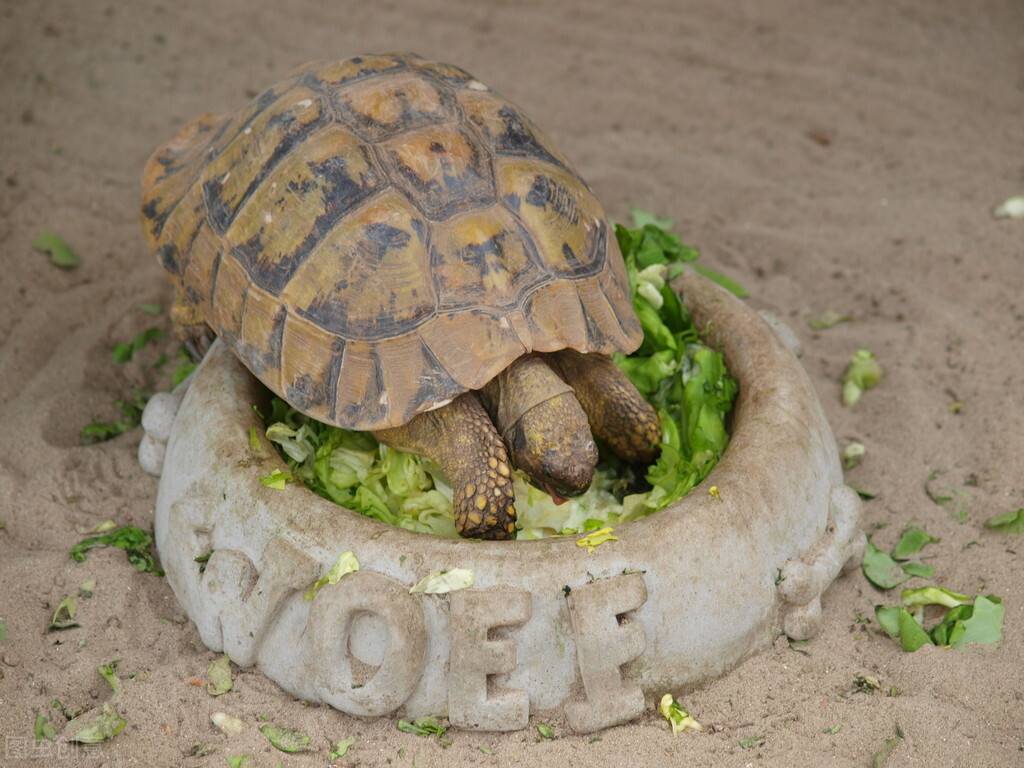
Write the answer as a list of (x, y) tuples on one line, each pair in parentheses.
[(392, 247)]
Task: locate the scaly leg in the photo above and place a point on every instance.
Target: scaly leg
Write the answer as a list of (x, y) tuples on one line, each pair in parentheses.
[(618, 413), (462, 441)]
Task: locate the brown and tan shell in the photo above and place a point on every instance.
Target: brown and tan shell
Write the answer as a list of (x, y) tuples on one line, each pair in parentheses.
[(375, 236)]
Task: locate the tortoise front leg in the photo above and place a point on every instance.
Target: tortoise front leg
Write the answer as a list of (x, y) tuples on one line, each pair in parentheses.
[(618, 413), (461, 439)]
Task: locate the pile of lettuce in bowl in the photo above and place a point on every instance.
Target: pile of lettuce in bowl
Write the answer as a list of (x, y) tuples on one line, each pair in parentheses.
[(685, 380)]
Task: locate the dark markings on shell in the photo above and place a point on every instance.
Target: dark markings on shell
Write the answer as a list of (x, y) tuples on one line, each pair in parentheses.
[(168, 256), (435, 384), (214, 271), (410, 118), (333, 374), (341, 193), (517, 139), (374, 404), (220, 213), (330, 313), (595, 336), (570, 256), (545, 191), (157, 218)]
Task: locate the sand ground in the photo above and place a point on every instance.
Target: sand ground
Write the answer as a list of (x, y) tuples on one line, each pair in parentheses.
[(831, 155)]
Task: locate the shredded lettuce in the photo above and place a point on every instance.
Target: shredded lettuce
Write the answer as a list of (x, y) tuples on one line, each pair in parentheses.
[(685, 380)]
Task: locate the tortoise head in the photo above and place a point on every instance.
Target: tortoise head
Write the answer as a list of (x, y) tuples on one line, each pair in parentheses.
[(552, 444)]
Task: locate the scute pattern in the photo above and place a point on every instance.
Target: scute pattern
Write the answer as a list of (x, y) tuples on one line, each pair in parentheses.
[(377, 235)]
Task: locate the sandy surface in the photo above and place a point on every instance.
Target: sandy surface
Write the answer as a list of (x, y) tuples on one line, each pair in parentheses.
[(840, 155)]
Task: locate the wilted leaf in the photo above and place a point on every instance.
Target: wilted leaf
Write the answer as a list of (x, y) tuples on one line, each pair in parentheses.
[(911, 542), (862, 373), (596, 538), (59, 251), (44, 729), (423, 726), (1008, 522), (151, 309), (254, 441), (239, 761), (728, 283), (1011, 208), (96, 728), (340, 748), (880, 569), (879, 758), (136, 543), (218, 676), (852, 455), (284, 739), (678, 718), (827, 319), (985, 624), (865, 495), (64, 616), (108, 672), (921, 570), (933, 596), (227, 724), (751, 741), (87, 588), (344, 565), (277, 479), (440, 582), (545, 731)]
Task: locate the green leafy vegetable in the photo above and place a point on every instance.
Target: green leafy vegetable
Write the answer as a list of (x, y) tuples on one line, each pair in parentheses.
[(423, 726), (87, 588), (151, 309), (108, 672), (1008, 522), (752, 741), (64, 616), (345, 564), (963, 623), (852, 455), (59, 251), (239, 761), (678, 718), (933, 596), (277, 479), (827, 319), (44, 729), (340, 748), (441, 582), (545, 731), (125, 350), (862, 373), (284, 739), (1010, 208), (879, 758), (227, 724), (131, 410), (218, 676), (3, 630), (918, 569), (726, 282), (880, 569), (136, 543), (183, 369), (102, 727), (911, 542)]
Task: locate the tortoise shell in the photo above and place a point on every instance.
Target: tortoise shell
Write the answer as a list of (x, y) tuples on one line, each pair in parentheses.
[(375, 236)]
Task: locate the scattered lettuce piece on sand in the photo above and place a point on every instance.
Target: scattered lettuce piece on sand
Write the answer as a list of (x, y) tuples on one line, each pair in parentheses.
[(285, 739), (239, 761), (3, 630), (900, 624), (423, 726), (125, 350), (911, 542), (96, 728), (131, 417), (882, 755), (218, 676), (227, 724), (44, 729), (64, 616), (440, 582), (59, 251), (108, 672), (595, 539), (827, 319), (678, 718), (136, 543), (1008, 522), (277, 479), (254, 441), (864, 494), (183, 369), (340, 748), (853, 454), (983, 624), (545, 731), (642, 218), (933, 596), (1011, 208), (344, 565), (152, 309), (955, 500), (880, 569), (921, 570), (749, 742), (862, 373)]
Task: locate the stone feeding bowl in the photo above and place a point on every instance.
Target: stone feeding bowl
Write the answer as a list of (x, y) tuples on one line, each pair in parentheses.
[(682, 597)]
